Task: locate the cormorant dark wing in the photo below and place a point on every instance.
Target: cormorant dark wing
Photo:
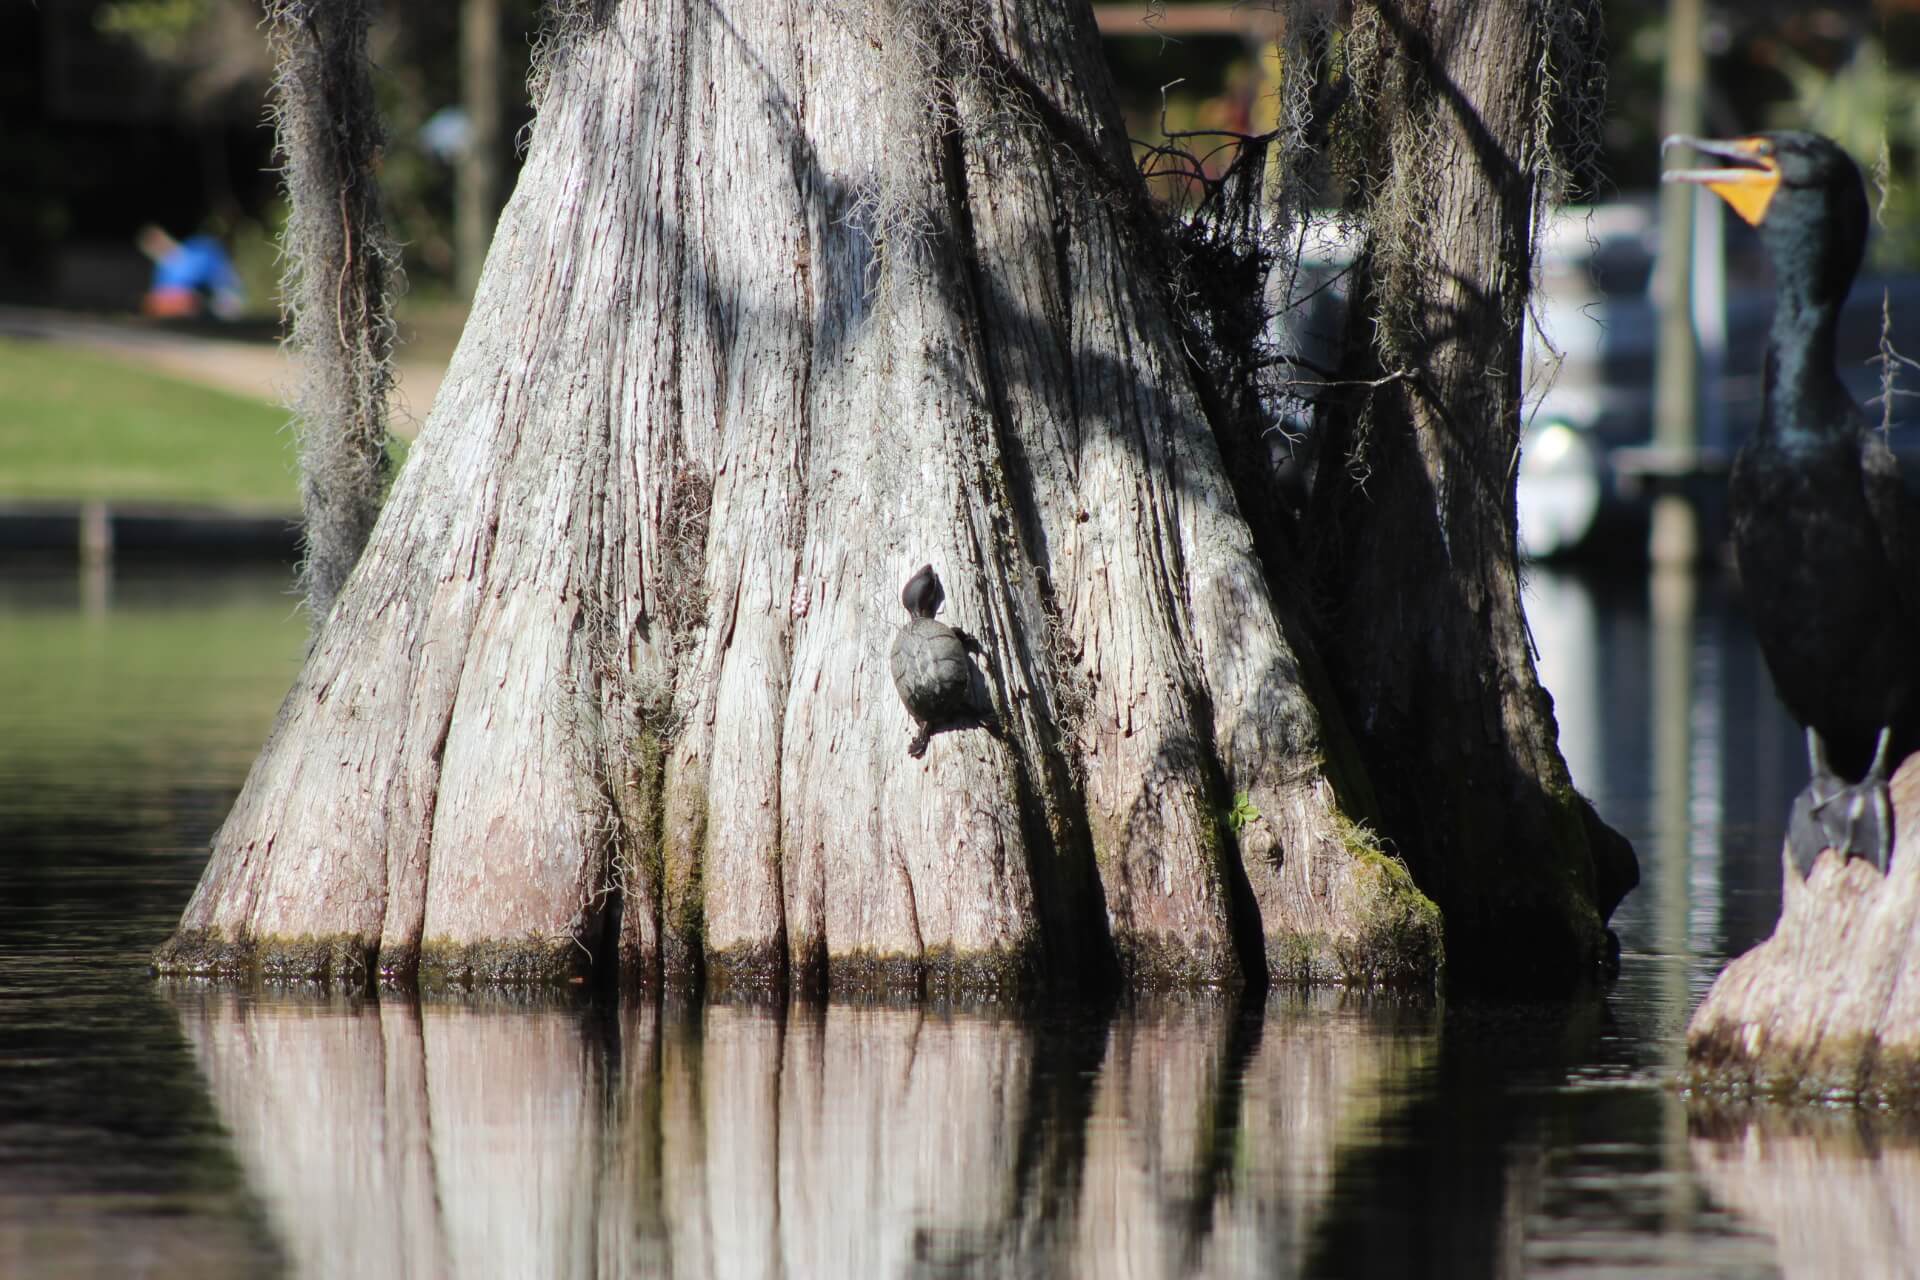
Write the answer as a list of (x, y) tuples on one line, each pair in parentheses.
[(1895, 508)]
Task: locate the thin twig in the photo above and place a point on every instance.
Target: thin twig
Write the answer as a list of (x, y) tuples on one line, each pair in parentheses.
[(1398, 375)]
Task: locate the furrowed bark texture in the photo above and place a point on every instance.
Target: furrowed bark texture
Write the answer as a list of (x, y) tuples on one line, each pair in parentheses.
[(787, 303), (341, 275), (1414, 529), (1829, 1006)]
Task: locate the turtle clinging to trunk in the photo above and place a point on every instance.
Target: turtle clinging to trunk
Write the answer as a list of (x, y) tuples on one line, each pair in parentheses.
[(931, 669)]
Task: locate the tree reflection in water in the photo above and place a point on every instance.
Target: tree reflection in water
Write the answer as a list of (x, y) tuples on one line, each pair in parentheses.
[(1838, 1190), (556, 1138), (1300, 1135)]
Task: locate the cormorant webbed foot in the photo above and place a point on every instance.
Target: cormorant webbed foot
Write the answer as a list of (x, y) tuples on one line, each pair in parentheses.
[(918, 747), (1855, 818)]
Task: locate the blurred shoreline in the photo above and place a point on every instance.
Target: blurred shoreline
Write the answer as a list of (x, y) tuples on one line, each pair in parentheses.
[(249, 361)]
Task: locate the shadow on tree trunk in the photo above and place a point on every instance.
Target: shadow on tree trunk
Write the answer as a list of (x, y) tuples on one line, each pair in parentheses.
[(1412, 534), (776, 315)]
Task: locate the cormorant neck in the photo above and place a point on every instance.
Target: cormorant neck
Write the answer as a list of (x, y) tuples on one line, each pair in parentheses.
[(1804, 395)]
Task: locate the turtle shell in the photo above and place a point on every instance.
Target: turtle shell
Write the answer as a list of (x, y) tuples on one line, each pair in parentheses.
[(930, 670)]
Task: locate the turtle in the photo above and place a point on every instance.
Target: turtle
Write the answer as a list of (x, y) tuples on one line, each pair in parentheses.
[(930, 666)]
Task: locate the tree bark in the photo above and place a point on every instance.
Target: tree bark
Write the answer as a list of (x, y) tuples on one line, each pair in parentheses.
[(1828, 1007), (788, 303), (1412, 529), (785, 305), (776, 313)]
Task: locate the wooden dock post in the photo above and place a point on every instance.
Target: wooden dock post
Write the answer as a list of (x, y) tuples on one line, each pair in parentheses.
[(96, 535)]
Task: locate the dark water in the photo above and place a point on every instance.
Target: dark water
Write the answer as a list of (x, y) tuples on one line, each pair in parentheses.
[(174, 1129)]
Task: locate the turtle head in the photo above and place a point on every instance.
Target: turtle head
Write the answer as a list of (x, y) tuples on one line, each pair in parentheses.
[(923, 593)]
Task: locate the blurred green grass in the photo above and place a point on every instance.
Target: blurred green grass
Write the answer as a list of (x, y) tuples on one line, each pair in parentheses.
[(76, 425)]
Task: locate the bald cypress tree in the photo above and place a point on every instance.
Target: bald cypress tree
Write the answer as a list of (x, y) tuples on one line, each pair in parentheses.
[(1461, 125), (789, 301)]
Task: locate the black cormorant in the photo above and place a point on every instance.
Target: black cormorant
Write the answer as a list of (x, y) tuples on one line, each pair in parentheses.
[(930, 667), (1826, 535)]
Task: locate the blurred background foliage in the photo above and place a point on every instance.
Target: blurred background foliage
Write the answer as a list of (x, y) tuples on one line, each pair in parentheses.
[(114, 113), (1851, 70)]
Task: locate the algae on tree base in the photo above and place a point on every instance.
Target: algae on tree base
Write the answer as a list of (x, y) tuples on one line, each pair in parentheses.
[(529, 960), (344, 958)]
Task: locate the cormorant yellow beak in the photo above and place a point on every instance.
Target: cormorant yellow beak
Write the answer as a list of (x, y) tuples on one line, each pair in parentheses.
[(1748, 184)]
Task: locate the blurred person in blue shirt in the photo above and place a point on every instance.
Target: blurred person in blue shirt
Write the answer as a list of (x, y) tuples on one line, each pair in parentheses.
[(191, 277)]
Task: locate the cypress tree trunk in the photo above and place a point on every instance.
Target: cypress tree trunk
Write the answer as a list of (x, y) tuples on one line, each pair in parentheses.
[(785, 305), (1413, 529), (1828, 1007)]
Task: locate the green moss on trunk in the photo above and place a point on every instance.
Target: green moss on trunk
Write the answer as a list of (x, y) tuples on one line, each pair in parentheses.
[(529, 960), (1401, 939), (638, 861), (208, 953), (683, 912), (1398, 937), (1734, 1062), (747, 971)]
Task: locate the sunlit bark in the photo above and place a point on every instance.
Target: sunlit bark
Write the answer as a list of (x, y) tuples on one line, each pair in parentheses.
[(1829, 1005), (787, 303)]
